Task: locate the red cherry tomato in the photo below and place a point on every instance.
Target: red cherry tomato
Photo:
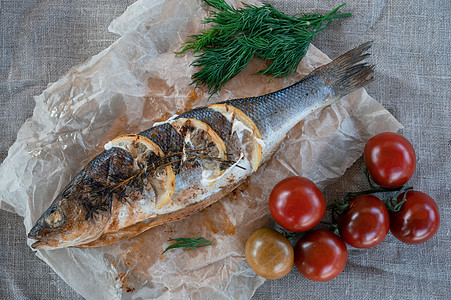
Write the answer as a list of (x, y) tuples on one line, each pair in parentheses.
[(297, 204), (320, 255), (390, 159), (417, 221), (366, 223)]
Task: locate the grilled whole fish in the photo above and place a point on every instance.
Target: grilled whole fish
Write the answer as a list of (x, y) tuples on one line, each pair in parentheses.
[(182, 165)]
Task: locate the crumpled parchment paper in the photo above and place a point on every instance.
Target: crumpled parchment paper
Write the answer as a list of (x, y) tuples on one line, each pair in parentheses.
[(125, 89)]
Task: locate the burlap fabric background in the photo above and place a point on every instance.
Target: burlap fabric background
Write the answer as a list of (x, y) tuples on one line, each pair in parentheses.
[(41, 40)]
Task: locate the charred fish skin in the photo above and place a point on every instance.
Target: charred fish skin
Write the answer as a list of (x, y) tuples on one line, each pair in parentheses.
[(166, 137), (171, 141), (87, 198), (70, 220), (215, 120)]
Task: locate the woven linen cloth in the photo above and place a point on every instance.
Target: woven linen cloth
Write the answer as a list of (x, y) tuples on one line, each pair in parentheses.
[(41, 40)]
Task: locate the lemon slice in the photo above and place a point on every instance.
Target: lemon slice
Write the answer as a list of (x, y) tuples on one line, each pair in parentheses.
[(161, 180), (202, 144), (246, 130)]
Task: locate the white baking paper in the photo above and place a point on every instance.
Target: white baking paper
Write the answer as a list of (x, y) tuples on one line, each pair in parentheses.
[(125, 89)]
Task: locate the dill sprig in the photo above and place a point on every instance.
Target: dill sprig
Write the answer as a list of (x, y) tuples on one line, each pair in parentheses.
[(237, 35), (188, 243)]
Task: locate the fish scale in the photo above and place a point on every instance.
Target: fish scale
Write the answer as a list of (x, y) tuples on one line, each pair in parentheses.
[(166, 137), (258, 123), (271, 112)]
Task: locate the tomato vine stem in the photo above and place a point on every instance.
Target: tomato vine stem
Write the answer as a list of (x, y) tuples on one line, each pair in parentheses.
[(338, 207), (392, 202)]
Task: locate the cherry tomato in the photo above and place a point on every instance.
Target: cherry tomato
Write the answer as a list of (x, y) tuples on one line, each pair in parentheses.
[(417, 221), (390, 159), (320, 255), (366, 223), (297, 204), (269, 254)]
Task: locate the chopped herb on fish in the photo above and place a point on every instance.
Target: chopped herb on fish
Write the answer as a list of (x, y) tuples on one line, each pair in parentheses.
[(237, 35)]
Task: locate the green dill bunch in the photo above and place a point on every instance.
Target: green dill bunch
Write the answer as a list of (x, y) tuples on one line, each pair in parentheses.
[(237, 35)]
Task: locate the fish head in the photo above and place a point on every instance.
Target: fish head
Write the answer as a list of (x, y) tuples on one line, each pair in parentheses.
[(81, 212), (67, 222)]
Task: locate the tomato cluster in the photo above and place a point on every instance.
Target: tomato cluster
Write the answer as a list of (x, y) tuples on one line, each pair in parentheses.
[(361, 219), (391, 161)]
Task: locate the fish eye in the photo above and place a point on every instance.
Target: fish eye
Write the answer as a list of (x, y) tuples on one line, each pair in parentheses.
[(55, 219)]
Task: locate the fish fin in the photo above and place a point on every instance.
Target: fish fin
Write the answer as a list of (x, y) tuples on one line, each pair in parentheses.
[(344, 75)]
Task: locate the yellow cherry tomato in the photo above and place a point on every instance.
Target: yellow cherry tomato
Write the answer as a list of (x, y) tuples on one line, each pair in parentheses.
[(269, 254)]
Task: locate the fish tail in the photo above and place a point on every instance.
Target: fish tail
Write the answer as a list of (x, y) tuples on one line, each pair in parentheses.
[(344, 75)]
